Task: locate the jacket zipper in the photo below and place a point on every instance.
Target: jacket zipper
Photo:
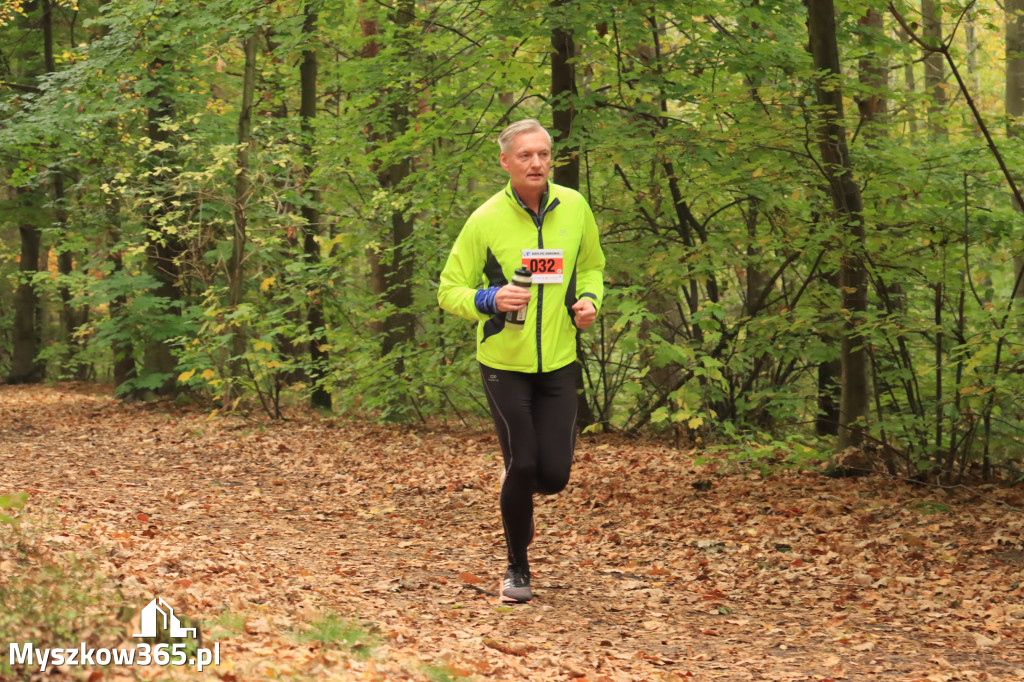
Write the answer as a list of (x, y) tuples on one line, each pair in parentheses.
[(538, 221), (540, 293)]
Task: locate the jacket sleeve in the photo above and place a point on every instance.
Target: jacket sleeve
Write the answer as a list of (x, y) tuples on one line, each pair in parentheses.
[(590, 263), (463, 276)]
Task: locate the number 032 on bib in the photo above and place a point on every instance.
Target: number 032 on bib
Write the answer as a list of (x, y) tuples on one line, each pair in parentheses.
[(545, 264)]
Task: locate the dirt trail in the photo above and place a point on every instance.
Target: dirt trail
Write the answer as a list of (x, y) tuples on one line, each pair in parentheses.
[(640, 573)]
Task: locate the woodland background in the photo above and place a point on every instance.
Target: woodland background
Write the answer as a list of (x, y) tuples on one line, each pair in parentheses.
[(808, 210)]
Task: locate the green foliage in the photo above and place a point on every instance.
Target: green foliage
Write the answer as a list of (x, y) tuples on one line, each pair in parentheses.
[(768, 453), (442, 673), (50, 596), (11, 502), (333, 631), (228, 624), (696, 129)]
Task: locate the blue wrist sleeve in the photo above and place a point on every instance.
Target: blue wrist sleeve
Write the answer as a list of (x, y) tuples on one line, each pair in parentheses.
[(485, 302)]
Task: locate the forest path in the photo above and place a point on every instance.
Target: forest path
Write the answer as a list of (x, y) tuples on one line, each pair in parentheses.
[(641, 570)]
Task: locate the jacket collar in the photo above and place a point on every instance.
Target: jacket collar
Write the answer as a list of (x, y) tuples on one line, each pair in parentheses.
[(511, 193)]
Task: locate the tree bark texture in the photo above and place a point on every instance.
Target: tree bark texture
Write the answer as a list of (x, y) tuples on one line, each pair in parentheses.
[(398, 273), (848, 206), (567, 159), (873, 72), (934, 65), (25, 369), (315, 322), (164, 247), (70, 318), (563, 98), (243, 188)]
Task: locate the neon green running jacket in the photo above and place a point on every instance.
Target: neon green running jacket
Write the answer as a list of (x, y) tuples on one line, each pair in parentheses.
[(502, 235)]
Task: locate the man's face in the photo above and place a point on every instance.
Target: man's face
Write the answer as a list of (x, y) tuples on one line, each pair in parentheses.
[(528, 161)]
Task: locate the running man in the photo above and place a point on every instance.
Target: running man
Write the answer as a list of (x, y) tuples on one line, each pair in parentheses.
[(528, 372)]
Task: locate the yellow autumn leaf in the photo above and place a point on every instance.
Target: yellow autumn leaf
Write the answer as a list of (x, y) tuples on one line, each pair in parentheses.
[(695, 422), (267, 283), (208, 374), (262, 345), (185, 376)]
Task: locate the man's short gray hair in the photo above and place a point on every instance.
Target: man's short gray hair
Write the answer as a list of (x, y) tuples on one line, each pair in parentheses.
[(514, 130)]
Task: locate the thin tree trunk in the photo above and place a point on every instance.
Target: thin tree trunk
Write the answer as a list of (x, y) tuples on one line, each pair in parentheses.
[(567, 159), (28, 315), (563, 95), (370, 30), (70, 319), (873, 73), (121, 348), (934, 65), (847, 202), (27, 337), (971, 40), (315, 321), (165, 247), (910, 81), (236, 266), (398, 325)]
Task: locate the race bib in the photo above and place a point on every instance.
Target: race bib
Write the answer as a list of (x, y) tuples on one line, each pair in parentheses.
[(545, 264)]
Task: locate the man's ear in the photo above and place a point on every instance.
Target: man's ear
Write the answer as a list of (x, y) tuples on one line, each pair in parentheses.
[(503, 160)]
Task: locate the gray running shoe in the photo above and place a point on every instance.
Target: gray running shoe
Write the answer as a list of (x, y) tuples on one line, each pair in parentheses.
[(515, 588)]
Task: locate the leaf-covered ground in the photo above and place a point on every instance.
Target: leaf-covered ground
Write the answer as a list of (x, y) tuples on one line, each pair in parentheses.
[(641, 571)]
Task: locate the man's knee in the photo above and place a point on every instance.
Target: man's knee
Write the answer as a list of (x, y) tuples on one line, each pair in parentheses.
[(550, 483)]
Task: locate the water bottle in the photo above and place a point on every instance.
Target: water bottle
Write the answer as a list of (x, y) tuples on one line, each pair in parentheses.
[(515, 319)]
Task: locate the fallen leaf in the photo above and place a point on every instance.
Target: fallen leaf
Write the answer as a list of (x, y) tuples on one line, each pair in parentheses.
[(467, 577), (510, 647)]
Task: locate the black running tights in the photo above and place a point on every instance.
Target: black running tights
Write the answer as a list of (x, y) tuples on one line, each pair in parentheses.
[(535, 417)]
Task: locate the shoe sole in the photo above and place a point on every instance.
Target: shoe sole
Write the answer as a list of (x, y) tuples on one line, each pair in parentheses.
[(509, 600)]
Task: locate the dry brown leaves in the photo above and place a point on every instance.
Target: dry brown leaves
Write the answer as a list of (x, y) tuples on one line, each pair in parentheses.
[(640, 572)]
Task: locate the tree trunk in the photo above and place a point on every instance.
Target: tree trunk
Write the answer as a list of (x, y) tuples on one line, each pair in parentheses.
[(934, 65), (873, 73), (315, 321), (848, 206), (70, 318), (26, 337), (563, 94), (243, 188), (971, 41), (121, 348), (370, 29), (910, 82), (397, 272), (165, 246), (566, 159), (28, 315)]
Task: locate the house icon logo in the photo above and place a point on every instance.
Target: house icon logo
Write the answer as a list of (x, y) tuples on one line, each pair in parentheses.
[(158, 615)]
